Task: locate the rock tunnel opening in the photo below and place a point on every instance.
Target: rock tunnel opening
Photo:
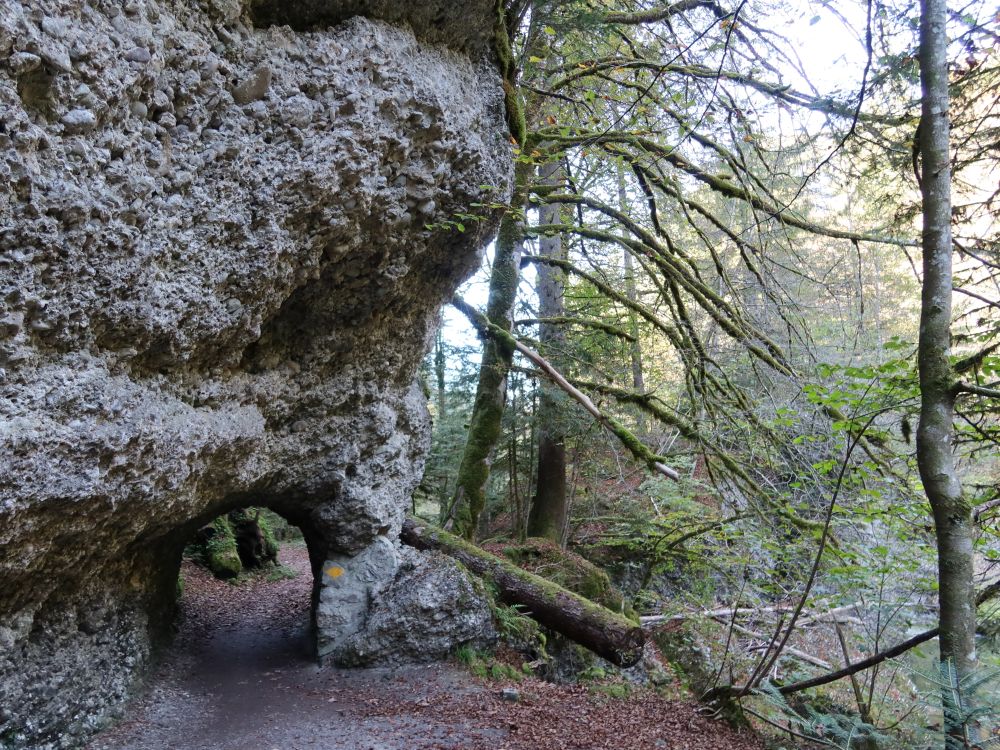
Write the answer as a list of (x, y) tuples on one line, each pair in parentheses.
[(242, 541), (244, 592), (240, 648)]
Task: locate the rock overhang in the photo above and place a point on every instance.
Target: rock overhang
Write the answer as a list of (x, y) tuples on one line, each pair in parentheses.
[(223, 250), (467, 26)]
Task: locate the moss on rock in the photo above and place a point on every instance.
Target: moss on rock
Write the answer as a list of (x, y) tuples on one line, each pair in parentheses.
[(221, 555), (280, 529), (255, 542)]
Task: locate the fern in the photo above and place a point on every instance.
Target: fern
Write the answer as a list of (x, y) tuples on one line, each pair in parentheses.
[(962, 704), (839, 730)]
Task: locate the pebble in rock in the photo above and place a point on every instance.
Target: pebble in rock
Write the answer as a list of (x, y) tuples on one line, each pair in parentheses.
[(138, 55), (79, 120), (253, 88)]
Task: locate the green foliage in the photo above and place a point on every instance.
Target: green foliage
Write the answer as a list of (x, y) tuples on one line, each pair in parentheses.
[(600, 681), (825, 724), (467, 655), (969, 702), (513, 625), (485, 666), (594, 672), (484, 211), (617, 690)]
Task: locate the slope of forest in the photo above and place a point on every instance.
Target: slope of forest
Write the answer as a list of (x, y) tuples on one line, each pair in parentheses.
[(704, 455), (740, 350)]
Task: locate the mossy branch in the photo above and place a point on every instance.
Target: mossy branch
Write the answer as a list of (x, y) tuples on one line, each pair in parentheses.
[(635, 446), (583, 322), (719, 183), (780, 92)]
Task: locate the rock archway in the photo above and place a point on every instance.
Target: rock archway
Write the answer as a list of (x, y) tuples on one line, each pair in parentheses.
[(222, 252)]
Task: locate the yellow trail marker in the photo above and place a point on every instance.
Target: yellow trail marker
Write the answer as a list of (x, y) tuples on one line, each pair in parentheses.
[(335, 571)]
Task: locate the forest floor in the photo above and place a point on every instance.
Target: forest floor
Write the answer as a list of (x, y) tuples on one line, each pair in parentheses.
[(239, 677)]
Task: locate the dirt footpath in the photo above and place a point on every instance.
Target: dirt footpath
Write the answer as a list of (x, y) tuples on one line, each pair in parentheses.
[(239, 677)]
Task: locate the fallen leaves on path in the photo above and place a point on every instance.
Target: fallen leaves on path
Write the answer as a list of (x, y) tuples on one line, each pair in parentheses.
[(430, 707), (572, 717)]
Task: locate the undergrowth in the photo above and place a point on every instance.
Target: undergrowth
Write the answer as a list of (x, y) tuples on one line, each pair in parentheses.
[(486, 666)]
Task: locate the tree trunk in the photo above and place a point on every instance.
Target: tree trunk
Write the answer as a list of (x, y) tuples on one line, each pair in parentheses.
[(254, 542), (607, 634), (548, 509), (439, 371), (440, 362), (491, 392), (635, 350), (935, 459)]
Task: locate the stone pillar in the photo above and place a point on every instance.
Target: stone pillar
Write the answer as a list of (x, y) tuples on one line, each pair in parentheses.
[(347, 587)]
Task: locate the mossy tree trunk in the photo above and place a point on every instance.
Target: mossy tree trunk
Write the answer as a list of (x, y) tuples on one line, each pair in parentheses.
[(219, 551), (632, 295), (491, 391), (953, 522), (469, 498), (440, 365), (547, 518), (606, 633), (254, 541)]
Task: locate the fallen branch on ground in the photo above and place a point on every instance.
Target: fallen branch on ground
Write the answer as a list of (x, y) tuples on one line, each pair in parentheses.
[(797, 653), (838, 614), (724, 692)]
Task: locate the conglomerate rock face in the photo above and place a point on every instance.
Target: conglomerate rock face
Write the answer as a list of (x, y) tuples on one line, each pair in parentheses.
[(222, 249)]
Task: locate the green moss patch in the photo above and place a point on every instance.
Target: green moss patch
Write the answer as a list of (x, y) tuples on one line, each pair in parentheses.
[(488, 666), (221, 556), (566, 569)]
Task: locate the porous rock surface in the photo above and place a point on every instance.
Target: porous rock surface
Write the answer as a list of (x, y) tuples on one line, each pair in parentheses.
[(222, 249), (429, 607)]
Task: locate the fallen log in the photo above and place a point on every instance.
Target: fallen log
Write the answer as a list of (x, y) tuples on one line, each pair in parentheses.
[(606, 633), (837, 615)]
